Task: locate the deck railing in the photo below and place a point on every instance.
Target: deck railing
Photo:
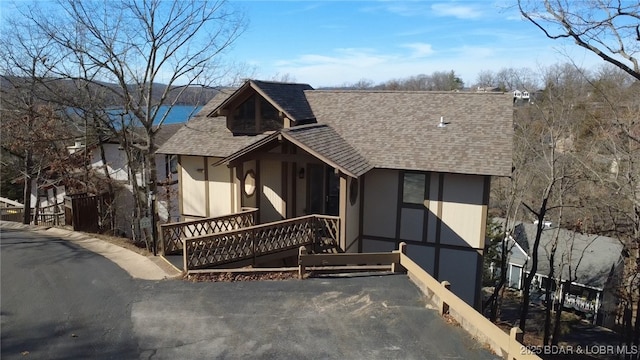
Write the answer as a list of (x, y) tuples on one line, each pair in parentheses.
[(173, 234), (252, 242), (11, 213), (52, 215), (47, 216)]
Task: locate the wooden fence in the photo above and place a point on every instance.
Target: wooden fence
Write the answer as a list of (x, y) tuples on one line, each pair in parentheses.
[(245, 245), (173, 234), (347, 261), (52, 215)]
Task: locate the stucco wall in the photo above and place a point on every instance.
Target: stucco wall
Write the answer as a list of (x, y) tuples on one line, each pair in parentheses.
[(193, 186), (352, 216), (272, 205), (220, 189), (301, 190), (380, 201), (462, 213), (116, 161), (249, 201), (445, 231)]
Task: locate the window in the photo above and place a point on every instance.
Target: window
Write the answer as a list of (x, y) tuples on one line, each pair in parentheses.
[(255, 115), (269, 119), (173, 164), (413, 188), (244, 120), (249, 183)]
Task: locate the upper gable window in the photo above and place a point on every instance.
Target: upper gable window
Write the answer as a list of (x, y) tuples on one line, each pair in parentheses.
[(269, 119), (255, 115)]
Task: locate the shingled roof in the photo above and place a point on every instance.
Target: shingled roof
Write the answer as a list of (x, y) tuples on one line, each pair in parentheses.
[(385, 129), (325, 143), (592, 256), (399, 129), (207, 136), (286, 97)]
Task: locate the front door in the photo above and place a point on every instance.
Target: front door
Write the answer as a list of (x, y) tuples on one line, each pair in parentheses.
[(323, 186)]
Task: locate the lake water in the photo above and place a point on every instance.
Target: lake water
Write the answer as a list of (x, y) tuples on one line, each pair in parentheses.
[(178, 113)]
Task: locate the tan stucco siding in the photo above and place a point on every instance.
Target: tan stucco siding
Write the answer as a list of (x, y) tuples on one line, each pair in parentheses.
[(249, 201), (411, 224), (380, 203), (372, 245), (220, 189), (462, 211), (423, 256), (192, 187), (301, 190), (352, 221), (433, 207), (460, 269), (272, 205)]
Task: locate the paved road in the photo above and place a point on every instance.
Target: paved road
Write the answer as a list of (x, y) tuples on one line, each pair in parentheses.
[(61, 301)]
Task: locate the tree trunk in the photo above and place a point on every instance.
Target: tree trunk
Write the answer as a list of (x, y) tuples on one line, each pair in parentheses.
[(153, 190), (556, 324), (636, 328), (534, 263), (26, 199), (547, 313), (110, 210)]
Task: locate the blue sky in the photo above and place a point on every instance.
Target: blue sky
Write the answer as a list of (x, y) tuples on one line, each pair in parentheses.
[(332, 43), (327, 43)]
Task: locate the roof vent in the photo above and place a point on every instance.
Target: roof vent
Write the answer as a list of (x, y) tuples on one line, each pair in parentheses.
[(442, 124)]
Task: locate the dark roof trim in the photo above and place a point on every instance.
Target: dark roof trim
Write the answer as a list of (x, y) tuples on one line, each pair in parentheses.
[(283, 134), (256, 87), (320, 156)]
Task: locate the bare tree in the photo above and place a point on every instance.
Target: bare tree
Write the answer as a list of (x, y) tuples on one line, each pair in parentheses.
[(152, 51), (548, 138), (614, 167), (31, 128), (608, 28)]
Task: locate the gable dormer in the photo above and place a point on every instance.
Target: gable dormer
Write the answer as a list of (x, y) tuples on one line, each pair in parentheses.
[(254, 115), (259, 106)]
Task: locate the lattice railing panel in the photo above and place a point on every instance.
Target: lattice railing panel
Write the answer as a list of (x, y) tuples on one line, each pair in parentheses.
[(254, 241), (174, 233), (216, 249), (284, 236), (328, 229)]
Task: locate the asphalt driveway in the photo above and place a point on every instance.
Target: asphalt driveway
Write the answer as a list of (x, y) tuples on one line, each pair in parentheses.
[(61, 301)]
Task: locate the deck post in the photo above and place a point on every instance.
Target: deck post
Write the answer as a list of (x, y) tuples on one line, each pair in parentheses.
[(185, 255), (301, 267), (516, 336), (402, 249), (444, 307)]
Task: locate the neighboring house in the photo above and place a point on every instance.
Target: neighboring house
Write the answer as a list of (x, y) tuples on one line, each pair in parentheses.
[(119, 172), (592, 263), (393, 165)]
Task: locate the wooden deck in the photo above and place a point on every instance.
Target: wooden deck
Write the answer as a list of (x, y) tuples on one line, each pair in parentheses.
[(234, 240)]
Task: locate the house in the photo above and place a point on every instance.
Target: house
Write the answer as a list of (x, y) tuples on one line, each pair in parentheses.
[(50, 194), (393, 165), (592, 263)]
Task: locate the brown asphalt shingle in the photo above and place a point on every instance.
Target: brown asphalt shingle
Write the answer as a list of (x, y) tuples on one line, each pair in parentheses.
[(383, 129), (398, 129), (207, 136), (323, 141)]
